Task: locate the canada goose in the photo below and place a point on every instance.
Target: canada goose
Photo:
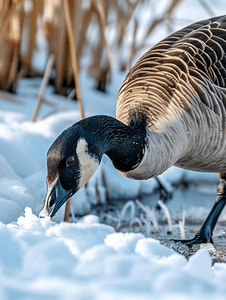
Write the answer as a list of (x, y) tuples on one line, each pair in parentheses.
[(170, 111)]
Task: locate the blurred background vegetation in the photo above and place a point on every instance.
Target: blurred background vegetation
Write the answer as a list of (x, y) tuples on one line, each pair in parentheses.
[(98, 28), (92, 21)]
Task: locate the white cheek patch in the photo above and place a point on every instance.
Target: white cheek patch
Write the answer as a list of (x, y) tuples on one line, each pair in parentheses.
[(88, 163)]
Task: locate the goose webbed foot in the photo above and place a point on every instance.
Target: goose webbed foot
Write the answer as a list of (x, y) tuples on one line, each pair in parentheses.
[(205, 233), (197, 240)]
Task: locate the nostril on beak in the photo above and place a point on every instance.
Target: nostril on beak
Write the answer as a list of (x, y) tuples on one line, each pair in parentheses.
[(51, 202), (43, 213)]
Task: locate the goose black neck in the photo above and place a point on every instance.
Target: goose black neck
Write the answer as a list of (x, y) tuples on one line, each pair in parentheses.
[(123, 144)]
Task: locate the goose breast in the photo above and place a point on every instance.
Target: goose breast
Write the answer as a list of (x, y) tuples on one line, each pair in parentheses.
[(179, 85)]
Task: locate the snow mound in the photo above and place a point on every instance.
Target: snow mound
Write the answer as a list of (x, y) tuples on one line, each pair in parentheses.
[(87, 260), (9, 211)]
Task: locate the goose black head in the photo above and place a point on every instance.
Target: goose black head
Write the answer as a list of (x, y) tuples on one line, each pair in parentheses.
[(71, 161)]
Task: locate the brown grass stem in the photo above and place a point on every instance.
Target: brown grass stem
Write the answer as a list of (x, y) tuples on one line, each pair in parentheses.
[(102, 20), (60, 106), (67, 210), (73, 55), (7, 16), (43, 86)]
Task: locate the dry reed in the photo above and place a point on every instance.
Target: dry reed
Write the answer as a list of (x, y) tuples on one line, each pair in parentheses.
[(71, 27), (43, 87)]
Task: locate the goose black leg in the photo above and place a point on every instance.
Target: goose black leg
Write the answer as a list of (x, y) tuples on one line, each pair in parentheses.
[(204, 235), (164, 193)]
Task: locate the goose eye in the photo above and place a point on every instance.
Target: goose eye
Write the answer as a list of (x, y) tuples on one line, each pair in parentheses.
[(70, 161)]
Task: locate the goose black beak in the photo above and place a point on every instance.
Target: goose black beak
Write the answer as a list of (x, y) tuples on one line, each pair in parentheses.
[(54, 199)]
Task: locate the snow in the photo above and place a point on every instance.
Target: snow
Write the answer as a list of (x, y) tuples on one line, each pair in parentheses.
[(50, 259), (41, 259)]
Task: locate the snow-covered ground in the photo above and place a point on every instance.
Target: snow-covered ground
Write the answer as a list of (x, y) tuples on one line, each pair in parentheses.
[(43, 259), (40, 259), (89, 260)]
